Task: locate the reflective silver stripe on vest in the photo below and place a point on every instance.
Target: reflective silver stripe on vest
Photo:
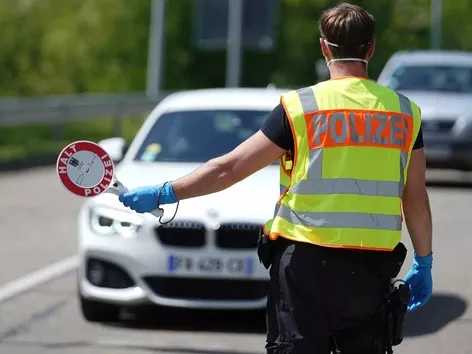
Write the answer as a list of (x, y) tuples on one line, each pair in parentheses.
[(347, 186), (341, 220), (276, 210), (405, 107), (316, 185), (308, 100)]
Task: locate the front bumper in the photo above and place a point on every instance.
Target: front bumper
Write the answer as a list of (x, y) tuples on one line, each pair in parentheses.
[(151, 272), (164, 289)]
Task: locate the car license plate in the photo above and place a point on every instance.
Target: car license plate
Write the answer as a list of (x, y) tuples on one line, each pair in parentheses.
[(437, 153), (183, 264)]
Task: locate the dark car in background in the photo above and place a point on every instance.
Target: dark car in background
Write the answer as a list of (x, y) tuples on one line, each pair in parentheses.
[(440, 82)]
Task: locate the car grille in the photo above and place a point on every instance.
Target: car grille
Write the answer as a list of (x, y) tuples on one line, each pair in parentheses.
[(189, 234), (238, 235), (437, 126), (208, 289)]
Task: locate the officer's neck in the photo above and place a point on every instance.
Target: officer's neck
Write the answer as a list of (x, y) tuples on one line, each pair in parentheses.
[(339, 70)]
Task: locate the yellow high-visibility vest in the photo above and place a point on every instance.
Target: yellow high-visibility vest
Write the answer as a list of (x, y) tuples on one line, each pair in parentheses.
[(352, 146)]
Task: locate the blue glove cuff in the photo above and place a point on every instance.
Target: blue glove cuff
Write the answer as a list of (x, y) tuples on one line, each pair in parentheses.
[(167, 195), (423, 262), (170, 189)]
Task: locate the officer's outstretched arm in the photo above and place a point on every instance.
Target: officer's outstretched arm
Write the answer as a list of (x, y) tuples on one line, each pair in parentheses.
[(222, 172), (416, 206)]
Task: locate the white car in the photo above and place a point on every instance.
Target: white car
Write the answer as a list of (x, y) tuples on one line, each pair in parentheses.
[(206, 256)]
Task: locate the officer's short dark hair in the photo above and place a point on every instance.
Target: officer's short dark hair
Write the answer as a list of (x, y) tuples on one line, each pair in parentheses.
[(349, 26)]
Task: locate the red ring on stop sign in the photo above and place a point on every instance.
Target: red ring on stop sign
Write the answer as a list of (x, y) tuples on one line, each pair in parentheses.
[(104, 158)]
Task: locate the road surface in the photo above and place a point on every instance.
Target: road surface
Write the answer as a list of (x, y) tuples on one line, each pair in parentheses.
[(39, 312)]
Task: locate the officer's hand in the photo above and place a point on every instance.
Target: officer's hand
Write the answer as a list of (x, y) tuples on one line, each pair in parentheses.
[(420, 281), (144, 199)]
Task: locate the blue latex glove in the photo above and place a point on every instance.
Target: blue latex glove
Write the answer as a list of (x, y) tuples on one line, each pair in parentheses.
[(420, 281), (144, 199)]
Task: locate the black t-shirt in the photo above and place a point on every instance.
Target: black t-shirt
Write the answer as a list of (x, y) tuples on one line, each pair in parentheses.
[(277, 128)]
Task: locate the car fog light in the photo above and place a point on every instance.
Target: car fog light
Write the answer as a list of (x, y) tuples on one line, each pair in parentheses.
[(96, 273)]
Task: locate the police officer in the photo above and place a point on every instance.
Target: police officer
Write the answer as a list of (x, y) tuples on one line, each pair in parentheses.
[(352, 160)]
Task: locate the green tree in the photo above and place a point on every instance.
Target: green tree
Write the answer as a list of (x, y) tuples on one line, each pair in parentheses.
[(75, 46)]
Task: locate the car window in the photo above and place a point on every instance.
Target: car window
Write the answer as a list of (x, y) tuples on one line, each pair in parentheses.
[(439, 78), (198, 136)]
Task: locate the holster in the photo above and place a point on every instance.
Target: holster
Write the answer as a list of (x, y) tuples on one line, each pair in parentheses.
[(397, 300), (265, 249), (387, 265)]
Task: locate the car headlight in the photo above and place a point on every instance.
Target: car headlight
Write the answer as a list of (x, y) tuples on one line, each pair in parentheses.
[(463, 127), (114, 222)]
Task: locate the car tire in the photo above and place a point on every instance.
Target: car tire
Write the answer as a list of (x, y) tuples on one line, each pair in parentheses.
[(94, 311)]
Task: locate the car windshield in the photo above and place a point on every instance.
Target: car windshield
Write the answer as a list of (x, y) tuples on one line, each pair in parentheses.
[(438, 78), (198, 136)]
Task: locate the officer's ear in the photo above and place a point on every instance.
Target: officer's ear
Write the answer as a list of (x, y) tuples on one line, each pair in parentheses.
[(371, 50), (324, 49)]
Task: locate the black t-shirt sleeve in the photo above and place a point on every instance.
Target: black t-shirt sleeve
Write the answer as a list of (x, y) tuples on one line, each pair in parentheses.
[(419, 140), (277, 128)]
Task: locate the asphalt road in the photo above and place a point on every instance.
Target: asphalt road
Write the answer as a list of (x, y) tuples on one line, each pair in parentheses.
[(37, 217)]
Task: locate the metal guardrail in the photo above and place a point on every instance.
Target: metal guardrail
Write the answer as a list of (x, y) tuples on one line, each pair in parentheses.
[(59, 109)]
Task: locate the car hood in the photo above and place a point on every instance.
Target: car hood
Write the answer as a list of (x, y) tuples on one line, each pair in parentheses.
[(251, 200), (439, 105)]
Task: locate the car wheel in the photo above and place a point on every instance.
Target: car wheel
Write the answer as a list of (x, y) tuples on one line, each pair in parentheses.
[(94, 311)]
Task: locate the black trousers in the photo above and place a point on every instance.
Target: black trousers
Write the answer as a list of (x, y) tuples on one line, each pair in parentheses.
[(323, 297)]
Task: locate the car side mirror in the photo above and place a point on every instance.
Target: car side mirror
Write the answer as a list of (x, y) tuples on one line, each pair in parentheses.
[(115, 147), (125, 149)]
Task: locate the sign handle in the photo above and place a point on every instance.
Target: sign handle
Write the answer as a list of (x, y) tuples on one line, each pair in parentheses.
[(118, 188)]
